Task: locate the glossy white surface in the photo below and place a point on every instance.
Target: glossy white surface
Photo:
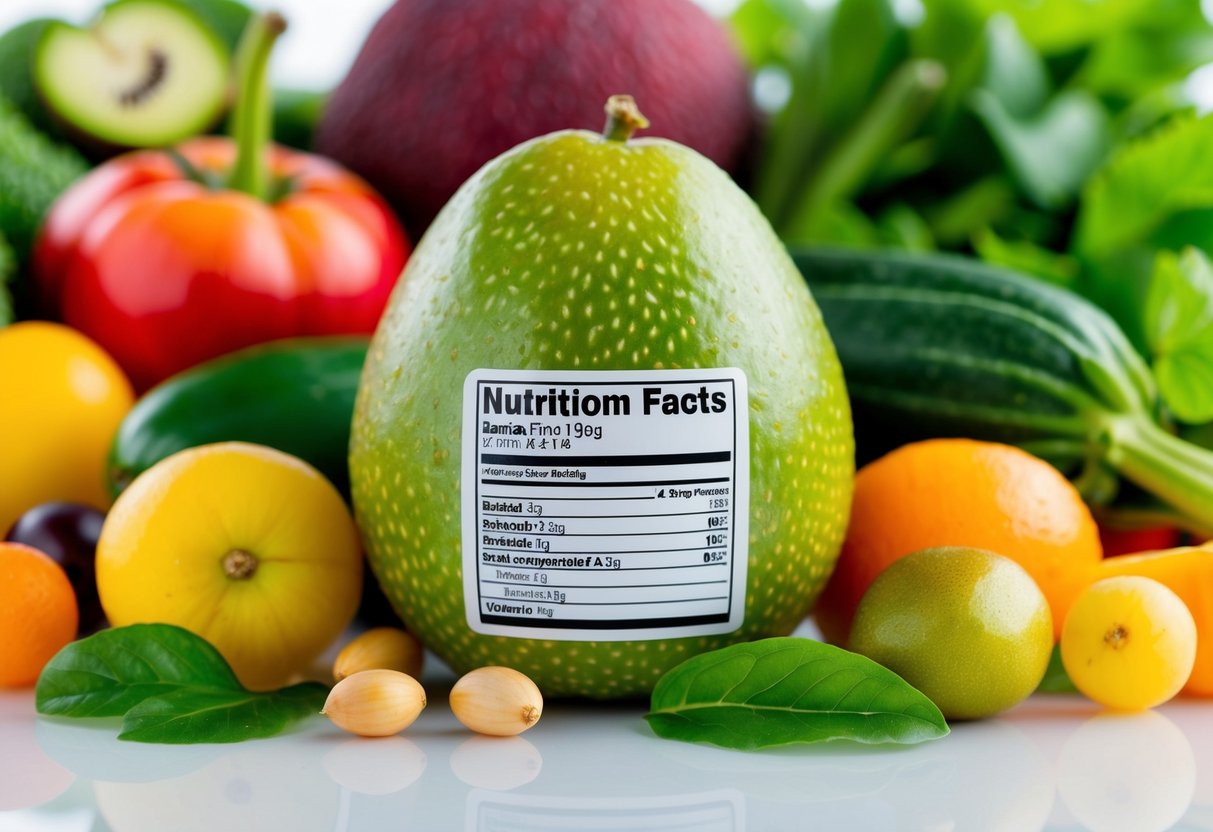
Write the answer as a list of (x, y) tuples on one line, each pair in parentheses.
[(1052, 763)]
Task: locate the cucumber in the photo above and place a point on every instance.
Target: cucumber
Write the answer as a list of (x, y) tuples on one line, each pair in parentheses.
[(295, 395), (947, 346)]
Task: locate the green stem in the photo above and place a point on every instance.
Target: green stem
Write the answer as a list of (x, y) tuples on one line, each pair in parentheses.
[(623, 118), (1148, 517), (1172, 469), (250, 126), (902, 104)]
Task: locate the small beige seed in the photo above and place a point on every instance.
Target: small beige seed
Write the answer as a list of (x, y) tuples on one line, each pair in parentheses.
[(498, 701), (375, 703), (381, 648)]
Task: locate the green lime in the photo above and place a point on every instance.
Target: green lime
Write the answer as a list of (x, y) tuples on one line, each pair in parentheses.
[(967, 627)]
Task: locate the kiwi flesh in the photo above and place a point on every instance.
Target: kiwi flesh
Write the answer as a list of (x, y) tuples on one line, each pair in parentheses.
[(145, 73)]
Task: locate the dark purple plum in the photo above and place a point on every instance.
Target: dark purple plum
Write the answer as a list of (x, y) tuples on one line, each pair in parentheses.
[(68, 533)]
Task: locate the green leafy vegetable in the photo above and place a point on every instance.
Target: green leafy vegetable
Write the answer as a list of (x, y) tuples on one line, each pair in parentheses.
[(837, 59), (1062, 25), (1027, 257), (17, 72), (781, 691), (33, 171), (1015, 75), (1050, 153), (170, 686), (1144, 184), (1179, 329), (1055, 137)]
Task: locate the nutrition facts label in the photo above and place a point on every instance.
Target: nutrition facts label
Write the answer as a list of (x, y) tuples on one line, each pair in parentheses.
[(605, 506)]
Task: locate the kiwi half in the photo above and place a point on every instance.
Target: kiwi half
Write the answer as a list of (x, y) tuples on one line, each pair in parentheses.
[(146, 73)]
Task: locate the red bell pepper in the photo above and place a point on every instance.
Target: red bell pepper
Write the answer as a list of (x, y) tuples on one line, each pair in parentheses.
[(169, 258)]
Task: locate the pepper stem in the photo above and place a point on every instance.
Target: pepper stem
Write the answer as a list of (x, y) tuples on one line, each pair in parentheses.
[(250, 126), (623, 118)]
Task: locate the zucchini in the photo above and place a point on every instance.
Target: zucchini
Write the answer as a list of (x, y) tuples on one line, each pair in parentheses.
[(948, 346), (295, 395)]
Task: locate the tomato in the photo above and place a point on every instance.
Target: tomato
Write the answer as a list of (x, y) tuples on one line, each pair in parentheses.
[(165, 272)]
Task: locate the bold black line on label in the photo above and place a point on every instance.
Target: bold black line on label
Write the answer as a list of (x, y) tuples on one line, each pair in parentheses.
[(616, 460), (593, 624), (584, 484)]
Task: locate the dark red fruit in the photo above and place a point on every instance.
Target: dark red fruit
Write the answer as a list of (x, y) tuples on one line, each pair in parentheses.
[(443, 86), (68, 533), (1132, 541)]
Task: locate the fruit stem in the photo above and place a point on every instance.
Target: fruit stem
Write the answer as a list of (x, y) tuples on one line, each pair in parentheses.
[(623, 118), (240, 564), (250, 126)]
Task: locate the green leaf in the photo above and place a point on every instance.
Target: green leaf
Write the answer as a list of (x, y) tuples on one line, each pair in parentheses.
[(963, 213), (1053, 152), (781, 691), (769, 32), (114, 670), (1027, 257), (34, 170), (189, 715), (1145, 183), (1062, 25), (1056, 680), (900, 226), (1179, 331), (170, 685), (17, 47), (1014, 73), (840, 224), (955, 35), (1161, 50)]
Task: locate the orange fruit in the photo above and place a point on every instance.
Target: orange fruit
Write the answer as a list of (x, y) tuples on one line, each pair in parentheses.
[(38, 613), (64, 398), (961, 492)]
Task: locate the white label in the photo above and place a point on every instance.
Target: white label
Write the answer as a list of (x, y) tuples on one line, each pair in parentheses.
[(605, 505)]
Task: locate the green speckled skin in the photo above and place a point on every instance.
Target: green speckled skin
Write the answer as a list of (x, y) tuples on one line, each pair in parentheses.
[(574, 252)]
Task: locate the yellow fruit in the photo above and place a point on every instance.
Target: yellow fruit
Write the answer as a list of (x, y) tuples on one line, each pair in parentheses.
[(63, 401), (1128, 643), (375, 703), (498, 701), (380, 648), (967, 627), (248, 547)]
